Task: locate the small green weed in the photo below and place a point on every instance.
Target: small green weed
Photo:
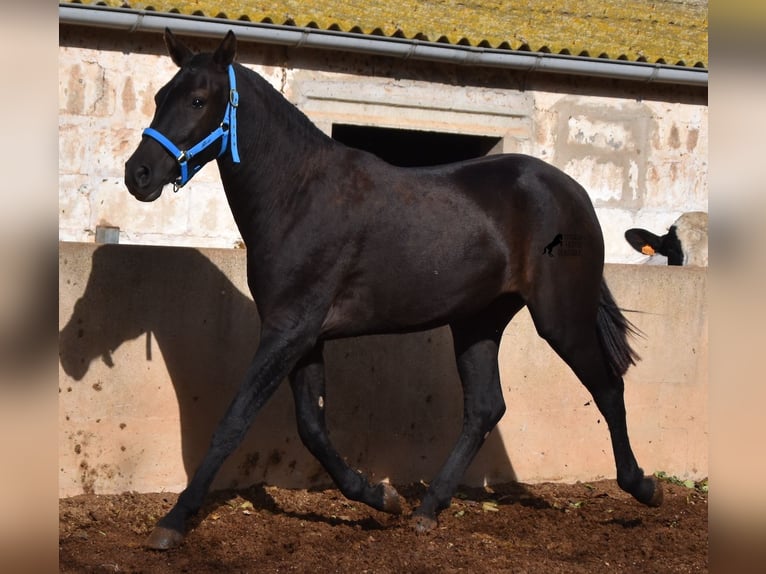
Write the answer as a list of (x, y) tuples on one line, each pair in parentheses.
[(700, 485)]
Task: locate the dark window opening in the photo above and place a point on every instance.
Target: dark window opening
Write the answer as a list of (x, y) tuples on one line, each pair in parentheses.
[(412, 148)]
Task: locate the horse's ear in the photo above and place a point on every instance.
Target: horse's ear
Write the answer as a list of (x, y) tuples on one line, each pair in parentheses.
[(178, 51), (225, 53)]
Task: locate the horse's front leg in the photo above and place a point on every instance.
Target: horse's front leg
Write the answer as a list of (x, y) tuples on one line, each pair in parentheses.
[(308, 384), (276, 356)]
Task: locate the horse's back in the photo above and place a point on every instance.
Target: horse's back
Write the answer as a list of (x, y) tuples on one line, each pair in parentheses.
[(519, 186), (523, 185)]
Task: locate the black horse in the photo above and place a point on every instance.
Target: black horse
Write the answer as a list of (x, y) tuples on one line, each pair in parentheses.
[(340, 243)]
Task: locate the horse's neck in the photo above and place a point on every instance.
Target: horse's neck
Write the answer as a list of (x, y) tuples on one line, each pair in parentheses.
[(279, 147)]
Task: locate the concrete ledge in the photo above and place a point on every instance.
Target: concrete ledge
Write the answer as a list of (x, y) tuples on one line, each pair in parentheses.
[(154, 341)]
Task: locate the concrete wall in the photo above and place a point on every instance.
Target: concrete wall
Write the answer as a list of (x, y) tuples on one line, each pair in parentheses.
[(640, 150), (154, 341)]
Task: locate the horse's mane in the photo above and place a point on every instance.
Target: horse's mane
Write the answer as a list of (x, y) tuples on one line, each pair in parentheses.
[(282, 111)]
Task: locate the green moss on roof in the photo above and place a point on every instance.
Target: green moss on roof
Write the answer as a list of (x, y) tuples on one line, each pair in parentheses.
[(666, 31)]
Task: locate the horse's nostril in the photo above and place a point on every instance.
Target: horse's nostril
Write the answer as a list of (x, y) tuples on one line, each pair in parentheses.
[(143, 175)]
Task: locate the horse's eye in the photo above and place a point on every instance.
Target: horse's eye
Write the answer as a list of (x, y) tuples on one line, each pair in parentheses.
[(197, 103)]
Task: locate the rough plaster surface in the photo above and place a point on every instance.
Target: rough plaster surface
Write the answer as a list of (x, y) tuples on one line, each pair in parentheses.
[(154, 341)]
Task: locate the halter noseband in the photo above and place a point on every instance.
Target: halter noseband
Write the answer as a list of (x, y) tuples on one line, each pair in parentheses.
[(226, 131)]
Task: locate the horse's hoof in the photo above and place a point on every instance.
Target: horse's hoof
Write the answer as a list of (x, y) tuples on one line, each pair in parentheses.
[(657, 495), (392, 502), (649, 491), (422, 524), (163, 538)]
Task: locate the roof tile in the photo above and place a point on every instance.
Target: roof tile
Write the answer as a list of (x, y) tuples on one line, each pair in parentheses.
[(665, 31)]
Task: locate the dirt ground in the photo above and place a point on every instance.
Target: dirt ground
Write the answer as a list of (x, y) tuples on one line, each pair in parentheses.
[(550, 528)]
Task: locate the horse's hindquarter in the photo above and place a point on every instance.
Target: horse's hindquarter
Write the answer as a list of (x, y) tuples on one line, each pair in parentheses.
[(430, 245)]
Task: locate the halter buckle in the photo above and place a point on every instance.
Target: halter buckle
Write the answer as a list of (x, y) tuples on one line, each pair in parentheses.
[(234, 97)]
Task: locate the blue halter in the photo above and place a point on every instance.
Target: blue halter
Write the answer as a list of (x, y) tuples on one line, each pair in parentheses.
[(225, 132)]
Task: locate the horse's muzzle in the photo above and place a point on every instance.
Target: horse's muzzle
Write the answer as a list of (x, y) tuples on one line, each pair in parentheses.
[(142, 181)]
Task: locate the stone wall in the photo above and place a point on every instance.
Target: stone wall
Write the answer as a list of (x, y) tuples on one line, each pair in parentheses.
[(641, 151)]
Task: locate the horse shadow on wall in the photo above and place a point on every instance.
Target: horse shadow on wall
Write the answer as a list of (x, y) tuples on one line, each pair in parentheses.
[(394, 402)]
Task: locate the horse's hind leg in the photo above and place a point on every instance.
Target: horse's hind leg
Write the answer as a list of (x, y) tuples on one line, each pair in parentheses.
[(476, 343), (568, 323), (308, 385)]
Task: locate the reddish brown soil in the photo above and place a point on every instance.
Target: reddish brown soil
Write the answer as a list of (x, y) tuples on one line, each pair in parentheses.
[(542, 528)]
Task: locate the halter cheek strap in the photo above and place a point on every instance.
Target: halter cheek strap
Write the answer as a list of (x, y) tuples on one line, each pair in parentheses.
[(226, 132)]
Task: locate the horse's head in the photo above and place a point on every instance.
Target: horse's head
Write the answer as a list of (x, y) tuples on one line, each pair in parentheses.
[(193, 123)]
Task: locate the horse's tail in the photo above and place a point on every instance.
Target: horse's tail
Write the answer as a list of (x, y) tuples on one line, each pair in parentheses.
[(613, 329)]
